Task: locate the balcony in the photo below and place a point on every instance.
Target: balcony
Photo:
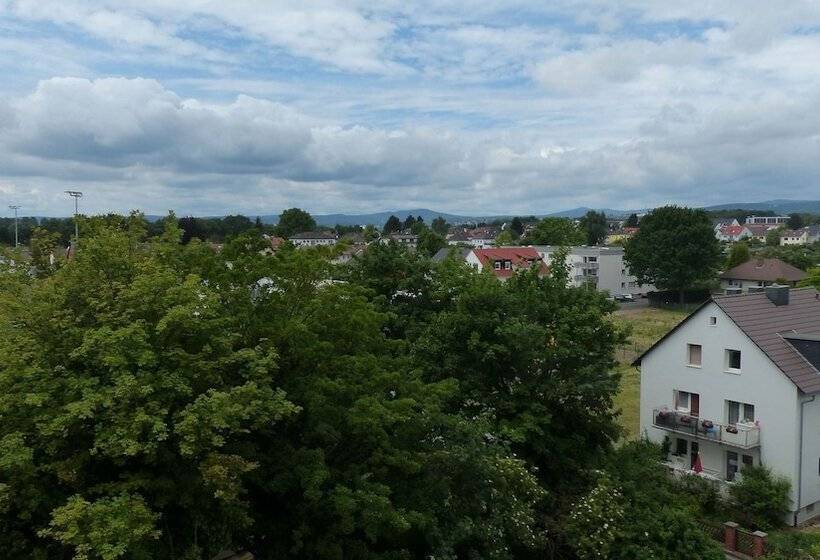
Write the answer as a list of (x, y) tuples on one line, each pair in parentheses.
[(741, 435)]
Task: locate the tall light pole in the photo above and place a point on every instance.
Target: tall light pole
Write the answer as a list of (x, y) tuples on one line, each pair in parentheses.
[(15, 207), (76, 195)]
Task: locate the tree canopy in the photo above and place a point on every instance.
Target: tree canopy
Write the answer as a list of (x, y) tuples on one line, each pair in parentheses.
[(294, 220), (594, 225), (674, 249), (556, 231)]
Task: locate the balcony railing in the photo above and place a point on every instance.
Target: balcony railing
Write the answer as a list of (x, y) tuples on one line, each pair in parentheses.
[(742, 435)]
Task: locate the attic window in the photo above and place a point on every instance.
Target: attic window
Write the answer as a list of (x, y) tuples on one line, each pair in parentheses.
[(712, 321), (507, 265), (733, 361), (497, 265)]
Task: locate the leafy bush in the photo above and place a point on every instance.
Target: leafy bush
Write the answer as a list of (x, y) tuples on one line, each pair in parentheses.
[(761, 498), (793, 546)]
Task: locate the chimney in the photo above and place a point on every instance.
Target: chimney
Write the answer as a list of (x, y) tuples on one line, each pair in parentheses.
[(779, 295)]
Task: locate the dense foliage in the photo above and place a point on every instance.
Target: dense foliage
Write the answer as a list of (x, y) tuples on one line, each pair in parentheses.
[(674, 249), (555, 231), (762, 498)]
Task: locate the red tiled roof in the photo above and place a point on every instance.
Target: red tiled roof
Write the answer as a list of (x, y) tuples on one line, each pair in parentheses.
[(519, 257), (731, 230)]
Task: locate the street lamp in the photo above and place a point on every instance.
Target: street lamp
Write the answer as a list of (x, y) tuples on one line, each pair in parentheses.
[(76, 195), (15, 207)]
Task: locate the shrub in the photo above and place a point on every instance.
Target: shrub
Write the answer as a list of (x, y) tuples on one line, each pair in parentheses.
[(793, 545), (761, 498)]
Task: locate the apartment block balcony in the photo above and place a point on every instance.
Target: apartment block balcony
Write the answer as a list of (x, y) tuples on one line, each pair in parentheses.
[(742, 435)]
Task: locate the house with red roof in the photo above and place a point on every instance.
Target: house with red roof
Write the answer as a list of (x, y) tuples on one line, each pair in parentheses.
[(733, 233), (505, 261)]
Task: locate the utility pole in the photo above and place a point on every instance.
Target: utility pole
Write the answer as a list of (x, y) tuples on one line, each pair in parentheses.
[(15, 207), (76, 195)]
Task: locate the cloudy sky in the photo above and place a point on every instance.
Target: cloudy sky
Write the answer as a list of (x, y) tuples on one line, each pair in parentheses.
[(476, 107)]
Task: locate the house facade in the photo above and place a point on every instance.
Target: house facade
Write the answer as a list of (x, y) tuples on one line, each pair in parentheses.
[(503, 262), (313, 238), (603, 267), (802, 236), (767, 220), (755, 274), (735, 384), (733, 233), (480, 237)]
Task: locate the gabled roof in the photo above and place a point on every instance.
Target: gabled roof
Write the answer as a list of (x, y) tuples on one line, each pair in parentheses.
[(314, 235), (767, 270), (771, 327), (759, 229), (451, 251), (732, 231), (519, 257)]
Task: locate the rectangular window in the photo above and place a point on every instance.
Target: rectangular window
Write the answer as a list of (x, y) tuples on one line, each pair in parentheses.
[(712, 321), (680, 447), (497, 265), (731, 465), (739, 412), (694, 354), (687, 402), (507, 265), (732, 360)]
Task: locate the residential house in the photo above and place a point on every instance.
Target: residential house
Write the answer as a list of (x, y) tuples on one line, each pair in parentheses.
[(603, 267), (620, 236), (733, 234), (802, 236), (505, 261), (478, 237), (754, 274), (767, 220), (408, 240), (313, 238), (760, 231), (736, 384), (719, 223), (451, 251), (349, 253)]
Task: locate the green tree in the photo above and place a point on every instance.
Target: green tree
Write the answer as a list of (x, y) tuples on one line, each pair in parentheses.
[(813, 279), (773, 237), (44, 251), (595, 226), (517, 225), (555, 231), (430, 242), (761, 498), (795, 221), (506, 237), (631, 221), (675, 249), (392, 225), (738, 254), (440, 226), (293, 221)]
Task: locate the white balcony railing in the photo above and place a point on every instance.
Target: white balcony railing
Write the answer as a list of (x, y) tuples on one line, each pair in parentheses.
[(743, 435)]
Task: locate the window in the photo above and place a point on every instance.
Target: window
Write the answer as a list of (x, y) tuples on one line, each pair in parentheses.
[(507, 265), (680, 446), (739, 412), (694, 354), (687, 402), (732, 360), (712, 321), (497, 265)]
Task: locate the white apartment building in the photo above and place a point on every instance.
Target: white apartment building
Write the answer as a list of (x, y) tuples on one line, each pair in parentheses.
[(736, 384), (313, 238), (602, 266), (767, 220)]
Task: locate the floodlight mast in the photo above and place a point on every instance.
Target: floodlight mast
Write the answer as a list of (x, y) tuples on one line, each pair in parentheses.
[(76, 195)]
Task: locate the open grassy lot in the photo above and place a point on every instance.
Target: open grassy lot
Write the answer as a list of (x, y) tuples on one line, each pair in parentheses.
[(647, 326)]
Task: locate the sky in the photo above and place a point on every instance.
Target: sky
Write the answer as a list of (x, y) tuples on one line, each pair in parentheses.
[(472, 107)]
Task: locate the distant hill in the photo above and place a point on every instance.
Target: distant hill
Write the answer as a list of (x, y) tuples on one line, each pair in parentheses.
[(379, 218), (781, 206)]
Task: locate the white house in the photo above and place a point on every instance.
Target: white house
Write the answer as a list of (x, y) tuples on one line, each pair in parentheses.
[(802, 236), (313, 238), (736, 383), (733, 233), (603, 267)]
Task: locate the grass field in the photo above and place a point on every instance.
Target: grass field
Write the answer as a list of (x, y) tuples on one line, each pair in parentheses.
[(647, 326)]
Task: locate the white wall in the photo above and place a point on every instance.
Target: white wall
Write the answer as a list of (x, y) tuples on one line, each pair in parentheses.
[(760, 383), (810, 492)]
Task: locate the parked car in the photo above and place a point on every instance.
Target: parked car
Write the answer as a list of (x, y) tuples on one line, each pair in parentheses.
[(624, 297)]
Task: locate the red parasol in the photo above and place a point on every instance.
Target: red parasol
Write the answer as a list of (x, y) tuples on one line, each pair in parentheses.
[(698, 466)]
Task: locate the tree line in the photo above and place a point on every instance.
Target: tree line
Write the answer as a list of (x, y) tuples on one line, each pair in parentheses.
[(164, 400)]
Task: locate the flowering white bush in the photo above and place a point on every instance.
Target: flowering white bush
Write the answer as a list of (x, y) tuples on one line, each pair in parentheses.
[(596, 520)]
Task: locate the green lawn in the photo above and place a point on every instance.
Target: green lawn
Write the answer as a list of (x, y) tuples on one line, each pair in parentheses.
[(647, 326)]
